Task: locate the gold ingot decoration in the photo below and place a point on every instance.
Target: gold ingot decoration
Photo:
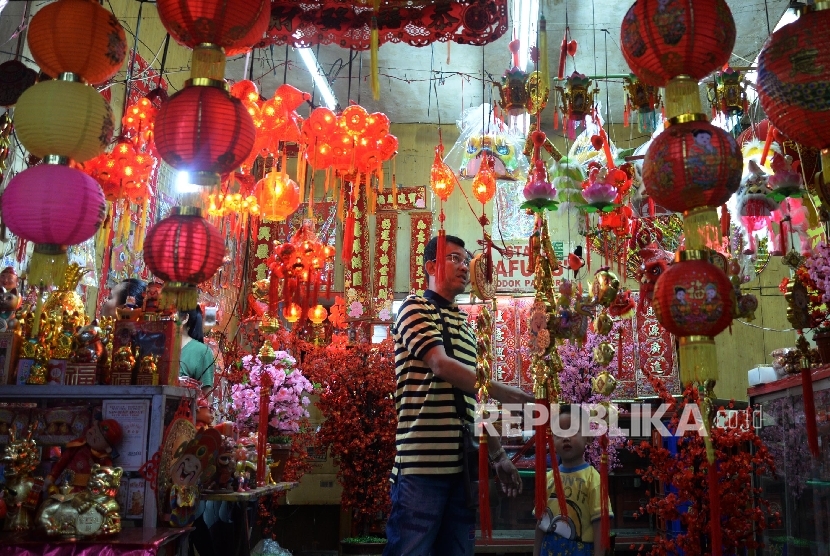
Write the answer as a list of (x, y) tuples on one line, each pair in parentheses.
[(65, 299), (604, 353), (604, 383), (21, 457)]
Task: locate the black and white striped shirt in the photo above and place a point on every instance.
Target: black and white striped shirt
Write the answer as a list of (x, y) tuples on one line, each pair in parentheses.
[(429, 430)]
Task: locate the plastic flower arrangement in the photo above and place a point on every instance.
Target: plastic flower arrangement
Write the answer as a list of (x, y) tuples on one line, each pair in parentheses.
[(289, 394), (814, 273)]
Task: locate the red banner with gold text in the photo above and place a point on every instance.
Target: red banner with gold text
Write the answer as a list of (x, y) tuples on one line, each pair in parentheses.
[(386, 236), (420, 226)]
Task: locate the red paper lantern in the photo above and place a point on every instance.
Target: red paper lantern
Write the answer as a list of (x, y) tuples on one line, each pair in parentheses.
[(793, 76), (204, 131), (184, 250), (691, 165), (278, 196), (53, 204), (232, 25), (77, 36), (662, 40), (253, 37)]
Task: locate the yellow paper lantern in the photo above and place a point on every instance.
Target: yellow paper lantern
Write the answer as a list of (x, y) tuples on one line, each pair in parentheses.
[(292, 313), (64, 118), (317, 314)]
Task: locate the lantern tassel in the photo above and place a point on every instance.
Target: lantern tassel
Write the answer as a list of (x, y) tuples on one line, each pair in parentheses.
[(47, 266), (348, 239), (698, 359), (441, 252), (373, 57), (809, 410), (141, 231), (702, 229), (182, 296), (486, 522), (544, 63)]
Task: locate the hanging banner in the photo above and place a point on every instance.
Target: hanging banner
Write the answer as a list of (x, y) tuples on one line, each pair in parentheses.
[(357, 272), (506, 341), (408, 198), (420, 225), (386, 236), (656, 353)]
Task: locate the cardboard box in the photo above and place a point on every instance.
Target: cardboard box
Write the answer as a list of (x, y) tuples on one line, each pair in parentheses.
[(316, 488), (161, 338), (9, 351)]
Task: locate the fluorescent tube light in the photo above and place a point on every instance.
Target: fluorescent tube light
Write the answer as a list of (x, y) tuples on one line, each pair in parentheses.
[(320, 78)]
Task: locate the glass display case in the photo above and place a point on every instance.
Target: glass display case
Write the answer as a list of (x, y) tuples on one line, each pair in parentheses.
[(800, 491)]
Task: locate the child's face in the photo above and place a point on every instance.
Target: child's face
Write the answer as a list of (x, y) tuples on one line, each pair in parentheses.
[(572, 448)]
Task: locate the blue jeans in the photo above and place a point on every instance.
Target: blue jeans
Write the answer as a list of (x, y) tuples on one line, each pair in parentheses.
[(430, 517)]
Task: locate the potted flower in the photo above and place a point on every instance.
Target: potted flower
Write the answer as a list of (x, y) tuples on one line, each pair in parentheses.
[(356, 399), (289, 391)]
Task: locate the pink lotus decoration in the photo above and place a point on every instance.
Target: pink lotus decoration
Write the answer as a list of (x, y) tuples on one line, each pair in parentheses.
[(601, 192), (539, 187)]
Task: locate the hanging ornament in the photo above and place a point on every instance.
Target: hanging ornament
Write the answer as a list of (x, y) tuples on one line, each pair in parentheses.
[(297, 268), (521, 92), (184, 250), (539, 192), (442, 182), (645, 100), (577, 101), (728, 97)]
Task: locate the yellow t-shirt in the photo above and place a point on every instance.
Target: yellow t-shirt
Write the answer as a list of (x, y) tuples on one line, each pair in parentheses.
[(582, 488)]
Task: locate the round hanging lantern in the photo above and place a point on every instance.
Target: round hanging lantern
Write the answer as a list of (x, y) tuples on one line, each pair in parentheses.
[(484, 184), (230, 25), (793, 77), (662, 40), (15, 77), (691, 165), (77, 36), (204, 131), (253, 37), (694, 300), (278, 196), (184, 250), (441, 177), (65, 118), (53, 204)]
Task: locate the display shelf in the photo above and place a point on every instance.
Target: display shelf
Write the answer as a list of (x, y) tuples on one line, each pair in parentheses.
[(247, 495), (149, 540), (159, 397)]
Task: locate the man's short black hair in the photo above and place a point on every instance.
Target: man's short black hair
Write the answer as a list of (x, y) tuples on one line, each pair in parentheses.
[(431, 250)]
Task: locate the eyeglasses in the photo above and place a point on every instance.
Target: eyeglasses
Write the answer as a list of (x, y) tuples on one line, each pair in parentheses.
[(458, 260)]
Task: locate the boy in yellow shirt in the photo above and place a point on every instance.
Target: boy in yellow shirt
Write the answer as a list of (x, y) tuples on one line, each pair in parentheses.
[(575, 534)]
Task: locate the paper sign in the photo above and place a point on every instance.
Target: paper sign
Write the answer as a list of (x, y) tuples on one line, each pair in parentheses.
[(133, 416)]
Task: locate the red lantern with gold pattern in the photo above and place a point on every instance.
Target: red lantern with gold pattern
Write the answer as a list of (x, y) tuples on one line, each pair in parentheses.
[(77, 36), (794, 76), (232, 25), (694, 300), (204, 131), (691, 165), (184, 250), (664, 39)]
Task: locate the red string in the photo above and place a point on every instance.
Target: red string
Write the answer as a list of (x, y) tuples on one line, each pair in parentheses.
[(715, 532)]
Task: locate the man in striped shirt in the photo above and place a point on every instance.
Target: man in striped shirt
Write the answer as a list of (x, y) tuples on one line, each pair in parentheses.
[(430, 515)]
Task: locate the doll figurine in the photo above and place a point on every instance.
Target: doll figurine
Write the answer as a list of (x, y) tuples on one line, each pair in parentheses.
[(152, 298), (81, 454)]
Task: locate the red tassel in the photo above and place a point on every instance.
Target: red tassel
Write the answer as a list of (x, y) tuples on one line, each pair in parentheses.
[(714, 511), (441, 255), (21, 249), (767, 145), (488, 262), (783, 236), (558, 487), (626, 113), (541, 486), (555, 118), (724, 221), (348, 240), (262, 438), (809, 410), (605, 510), (651, 210), (484, 488)]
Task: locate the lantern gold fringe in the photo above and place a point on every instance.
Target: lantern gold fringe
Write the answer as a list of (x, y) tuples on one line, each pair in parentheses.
[(47, 265), (208, 61), (702, 229), (698, 359), (183, 297), (682, 97), (141, 231)]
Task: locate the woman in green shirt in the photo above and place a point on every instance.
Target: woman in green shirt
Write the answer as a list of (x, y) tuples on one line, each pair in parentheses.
[(196, 360)]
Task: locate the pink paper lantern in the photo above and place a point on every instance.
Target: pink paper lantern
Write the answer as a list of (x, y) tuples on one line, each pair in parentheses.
[(53, 204)]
